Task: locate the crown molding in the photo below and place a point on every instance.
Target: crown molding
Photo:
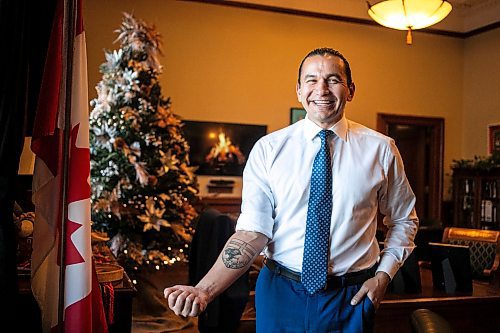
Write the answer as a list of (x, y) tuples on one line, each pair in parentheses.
[(437, 30)]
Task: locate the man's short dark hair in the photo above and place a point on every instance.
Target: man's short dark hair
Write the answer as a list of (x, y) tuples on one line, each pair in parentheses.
[(328, 51)]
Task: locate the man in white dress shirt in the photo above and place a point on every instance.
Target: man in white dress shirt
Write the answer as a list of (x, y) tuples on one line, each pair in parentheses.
[(367, 176)]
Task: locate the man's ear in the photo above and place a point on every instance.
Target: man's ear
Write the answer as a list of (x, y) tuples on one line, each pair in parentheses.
[(297, 90), (352, 89)]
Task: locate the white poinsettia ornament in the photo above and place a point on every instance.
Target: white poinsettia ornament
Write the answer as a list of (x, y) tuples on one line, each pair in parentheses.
[(153, 219)]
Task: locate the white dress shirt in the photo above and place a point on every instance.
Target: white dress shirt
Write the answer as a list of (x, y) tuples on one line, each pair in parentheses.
[(367, 174)]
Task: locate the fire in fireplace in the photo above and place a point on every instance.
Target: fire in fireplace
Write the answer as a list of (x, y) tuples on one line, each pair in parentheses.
[(221, 148)]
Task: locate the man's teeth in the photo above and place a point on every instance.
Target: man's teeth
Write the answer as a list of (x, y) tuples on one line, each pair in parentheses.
[(322, 102)]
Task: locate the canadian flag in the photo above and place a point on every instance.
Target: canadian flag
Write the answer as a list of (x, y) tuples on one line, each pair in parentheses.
[(61, 187)]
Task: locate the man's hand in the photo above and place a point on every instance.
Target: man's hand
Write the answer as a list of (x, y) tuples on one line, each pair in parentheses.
[(186, 300), (375, 289)]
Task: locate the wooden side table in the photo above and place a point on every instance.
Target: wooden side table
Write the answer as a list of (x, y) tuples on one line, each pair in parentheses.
[(124, 292)]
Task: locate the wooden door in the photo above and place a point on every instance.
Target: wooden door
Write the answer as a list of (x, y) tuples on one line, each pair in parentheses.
[(420, 141)]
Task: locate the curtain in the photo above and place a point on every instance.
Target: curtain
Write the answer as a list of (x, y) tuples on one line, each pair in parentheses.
[(24, 27)]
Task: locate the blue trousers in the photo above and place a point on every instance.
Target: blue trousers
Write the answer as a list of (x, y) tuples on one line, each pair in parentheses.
[(283, 305)]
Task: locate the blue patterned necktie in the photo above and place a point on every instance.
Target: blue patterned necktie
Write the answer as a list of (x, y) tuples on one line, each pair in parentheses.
[(319, 214)]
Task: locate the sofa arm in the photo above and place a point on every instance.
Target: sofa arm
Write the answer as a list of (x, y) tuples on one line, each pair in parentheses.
[(427, 321)]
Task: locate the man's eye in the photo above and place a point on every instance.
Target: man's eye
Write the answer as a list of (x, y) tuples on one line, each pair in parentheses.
[(333, 81), (311, 81)]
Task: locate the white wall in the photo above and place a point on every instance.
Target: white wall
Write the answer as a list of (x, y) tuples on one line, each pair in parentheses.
[(481, 91)]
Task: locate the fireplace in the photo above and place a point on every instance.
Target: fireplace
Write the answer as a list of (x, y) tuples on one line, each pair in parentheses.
[(221, 149)]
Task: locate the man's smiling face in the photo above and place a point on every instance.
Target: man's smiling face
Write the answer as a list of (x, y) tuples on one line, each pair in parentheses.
[(323, 89)]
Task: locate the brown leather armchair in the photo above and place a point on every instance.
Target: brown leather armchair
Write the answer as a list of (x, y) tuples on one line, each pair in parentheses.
[(484, 248)]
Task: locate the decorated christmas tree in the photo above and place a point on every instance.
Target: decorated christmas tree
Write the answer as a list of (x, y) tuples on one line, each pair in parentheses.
[(143, 188)]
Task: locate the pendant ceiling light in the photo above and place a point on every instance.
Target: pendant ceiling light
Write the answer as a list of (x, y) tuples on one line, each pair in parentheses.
[(409, 15)]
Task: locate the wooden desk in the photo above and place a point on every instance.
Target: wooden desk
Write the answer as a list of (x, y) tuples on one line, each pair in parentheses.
[(467, 312)]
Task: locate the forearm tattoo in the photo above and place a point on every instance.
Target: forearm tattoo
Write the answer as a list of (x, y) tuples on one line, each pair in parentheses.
[(237, 254)]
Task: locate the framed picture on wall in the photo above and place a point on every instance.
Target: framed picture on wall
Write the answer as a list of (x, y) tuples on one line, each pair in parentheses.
[(297, 114), (493, 138)]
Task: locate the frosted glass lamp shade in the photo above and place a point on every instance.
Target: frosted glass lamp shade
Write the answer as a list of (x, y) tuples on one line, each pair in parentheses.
[(409, 14)]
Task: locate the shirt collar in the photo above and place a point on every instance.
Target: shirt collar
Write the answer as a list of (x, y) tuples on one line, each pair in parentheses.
[(339, 128)]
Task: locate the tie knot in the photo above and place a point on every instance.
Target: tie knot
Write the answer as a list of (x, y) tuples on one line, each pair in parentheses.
[(324, 134)]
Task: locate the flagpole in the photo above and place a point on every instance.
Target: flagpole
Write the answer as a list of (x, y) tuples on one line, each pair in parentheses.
[(68, 45)]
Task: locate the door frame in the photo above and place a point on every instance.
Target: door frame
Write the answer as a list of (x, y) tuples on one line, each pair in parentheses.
[(384, 120)]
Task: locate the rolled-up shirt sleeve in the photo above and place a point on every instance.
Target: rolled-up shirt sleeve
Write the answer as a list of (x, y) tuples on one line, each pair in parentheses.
[(397, 204), (257, 208)]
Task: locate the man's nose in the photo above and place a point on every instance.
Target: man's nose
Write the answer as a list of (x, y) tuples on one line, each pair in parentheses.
[(322, 86)]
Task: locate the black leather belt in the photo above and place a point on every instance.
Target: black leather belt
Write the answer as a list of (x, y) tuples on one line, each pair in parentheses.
[(332, 281)]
